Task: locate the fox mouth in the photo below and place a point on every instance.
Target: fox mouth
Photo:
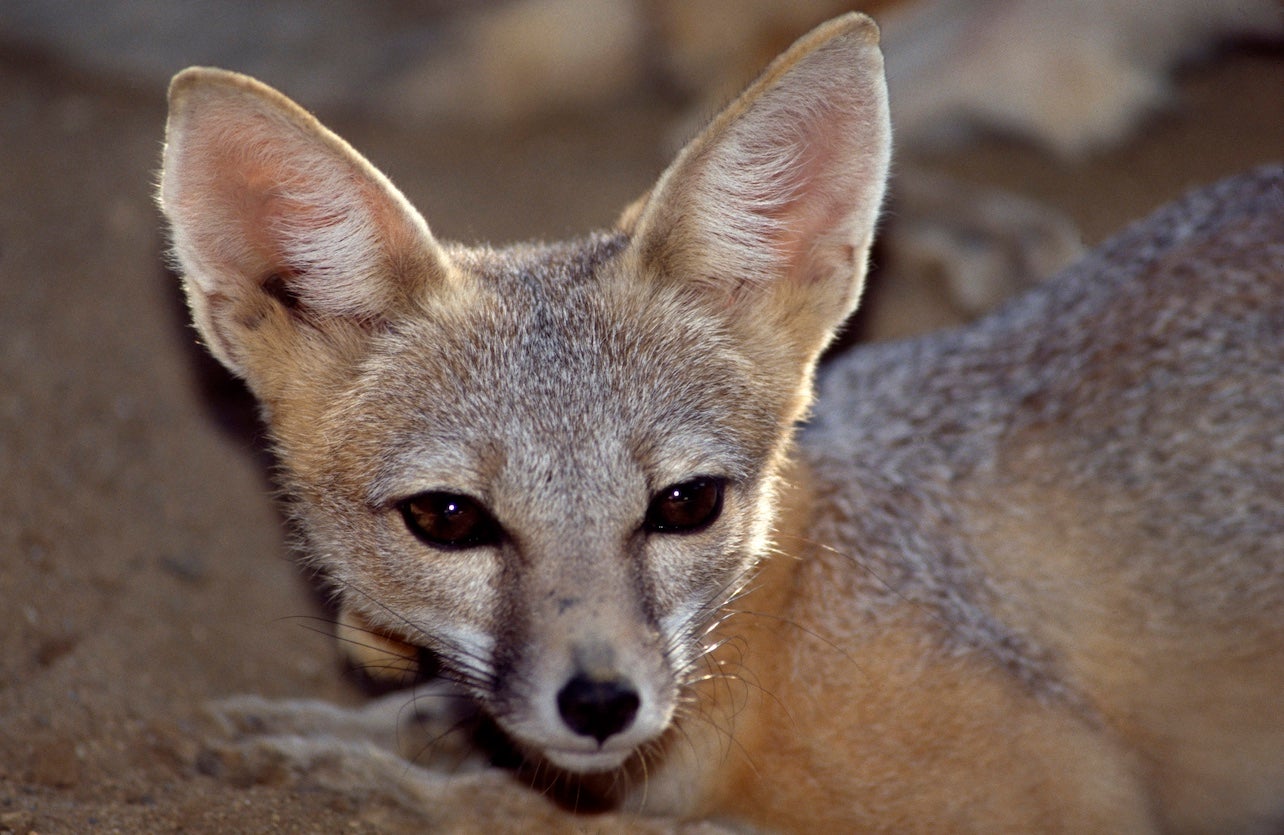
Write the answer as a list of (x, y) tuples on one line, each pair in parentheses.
[(587, 762)]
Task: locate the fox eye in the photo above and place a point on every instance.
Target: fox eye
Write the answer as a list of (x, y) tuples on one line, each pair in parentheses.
[(449, 520), (687, 507)]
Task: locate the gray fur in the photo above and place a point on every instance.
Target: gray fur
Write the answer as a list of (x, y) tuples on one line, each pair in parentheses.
[(1161, 354)]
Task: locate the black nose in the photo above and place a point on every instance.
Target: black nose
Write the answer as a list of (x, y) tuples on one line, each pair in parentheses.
[(598, 708)]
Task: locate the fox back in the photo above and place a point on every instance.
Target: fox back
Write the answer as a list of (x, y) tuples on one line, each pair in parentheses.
[(1087, 488), (1013, 577)]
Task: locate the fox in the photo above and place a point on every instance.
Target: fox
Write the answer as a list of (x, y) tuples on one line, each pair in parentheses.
[(1026, 575)]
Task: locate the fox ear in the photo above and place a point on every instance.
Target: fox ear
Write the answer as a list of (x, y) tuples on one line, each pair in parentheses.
[(282, 231), (772, 209)]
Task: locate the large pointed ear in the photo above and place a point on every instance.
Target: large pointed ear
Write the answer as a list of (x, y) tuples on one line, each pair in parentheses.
[(283, 233), (770, 212)]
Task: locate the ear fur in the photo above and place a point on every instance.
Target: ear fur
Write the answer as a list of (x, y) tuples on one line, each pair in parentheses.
[(771, 211), (276, 221)]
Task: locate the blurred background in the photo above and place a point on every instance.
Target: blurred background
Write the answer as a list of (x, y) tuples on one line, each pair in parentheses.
[(143, 568)]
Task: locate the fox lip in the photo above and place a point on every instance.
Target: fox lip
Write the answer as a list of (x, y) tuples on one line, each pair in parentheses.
[(581, 755), (587, 762)]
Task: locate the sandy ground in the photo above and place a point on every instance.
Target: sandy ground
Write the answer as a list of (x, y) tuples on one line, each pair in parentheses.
[(143, 569)]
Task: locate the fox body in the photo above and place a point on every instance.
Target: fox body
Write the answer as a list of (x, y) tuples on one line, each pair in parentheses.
[(1023, 576)]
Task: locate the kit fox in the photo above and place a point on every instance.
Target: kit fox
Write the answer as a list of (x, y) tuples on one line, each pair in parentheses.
[(1022, 576)]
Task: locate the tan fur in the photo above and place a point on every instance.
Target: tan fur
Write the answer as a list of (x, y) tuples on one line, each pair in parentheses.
[(1020, 577)]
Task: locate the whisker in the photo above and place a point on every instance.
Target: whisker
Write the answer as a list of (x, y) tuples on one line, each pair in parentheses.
[(458, 663)]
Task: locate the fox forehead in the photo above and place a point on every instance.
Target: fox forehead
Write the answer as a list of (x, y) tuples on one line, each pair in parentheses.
[(552, 366)]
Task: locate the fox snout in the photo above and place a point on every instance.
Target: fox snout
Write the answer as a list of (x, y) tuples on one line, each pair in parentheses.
[(589, 681), (598, 702)]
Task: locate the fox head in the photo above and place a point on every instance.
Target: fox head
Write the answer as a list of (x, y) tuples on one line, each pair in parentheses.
[(550, 465)]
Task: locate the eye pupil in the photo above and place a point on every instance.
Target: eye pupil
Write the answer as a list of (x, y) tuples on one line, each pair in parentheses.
[(687, 507), (449, 520)]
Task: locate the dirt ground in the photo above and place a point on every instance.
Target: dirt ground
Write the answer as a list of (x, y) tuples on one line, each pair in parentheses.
[(143, 568)]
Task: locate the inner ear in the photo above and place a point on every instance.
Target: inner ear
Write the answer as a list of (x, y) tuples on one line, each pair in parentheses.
[(774, 206), (279, 286), (271, 213), (262, 197)]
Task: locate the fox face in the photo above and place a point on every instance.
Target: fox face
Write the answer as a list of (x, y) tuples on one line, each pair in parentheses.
[(551, 465), (493, 489)]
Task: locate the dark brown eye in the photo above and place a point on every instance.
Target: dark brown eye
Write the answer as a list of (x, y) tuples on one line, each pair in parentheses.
[(449, 520), (685, 508)]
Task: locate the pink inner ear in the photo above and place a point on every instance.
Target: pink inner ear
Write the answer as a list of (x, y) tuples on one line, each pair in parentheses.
[(812, 211), (230, 175), (798, 194), (260, 194)]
